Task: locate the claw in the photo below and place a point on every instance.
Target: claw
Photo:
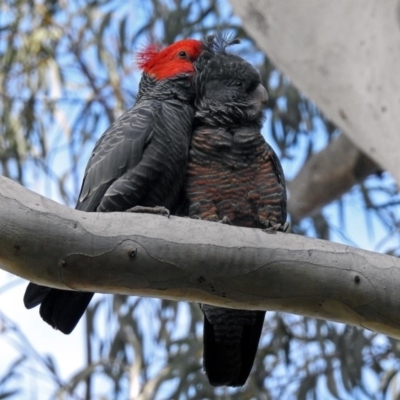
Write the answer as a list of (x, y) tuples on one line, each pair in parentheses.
[(150, 210), (225, 220), (277, 227)]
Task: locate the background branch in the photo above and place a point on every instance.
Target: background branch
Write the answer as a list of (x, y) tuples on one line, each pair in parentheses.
[(326, 176)]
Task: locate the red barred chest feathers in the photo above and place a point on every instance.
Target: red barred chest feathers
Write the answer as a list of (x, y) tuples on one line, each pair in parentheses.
[(233, 174)]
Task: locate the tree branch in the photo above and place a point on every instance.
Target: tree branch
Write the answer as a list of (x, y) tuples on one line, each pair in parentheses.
[(333, 171), (340, 55), (183, 259)]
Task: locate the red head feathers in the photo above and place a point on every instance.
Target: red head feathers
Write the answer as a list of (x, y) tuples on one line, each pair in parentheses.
[(175, 59)]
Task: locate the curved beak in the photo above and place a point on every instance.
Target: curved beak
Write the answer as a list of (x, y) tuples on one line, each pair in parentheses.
[(260, 95)]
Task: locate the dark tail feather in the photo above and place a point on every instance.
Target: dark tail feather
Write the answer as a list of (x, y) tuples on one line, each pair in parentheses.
[(34, 295), (249, 346), (231, 340), (62, 309)]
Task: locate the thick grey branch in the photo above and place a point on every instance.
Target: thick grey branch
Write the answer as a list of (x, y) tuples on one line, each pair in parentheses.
[(326, 176), (182, 259)]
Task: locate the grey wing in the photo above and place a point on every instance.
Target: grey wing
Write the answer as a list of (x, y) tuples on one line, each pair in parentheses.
[(158, 178), (119, 149)]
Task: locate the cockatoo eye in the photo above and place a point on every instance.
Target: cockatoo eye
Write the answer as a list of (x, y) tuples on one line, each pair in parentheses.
[(182, 54)]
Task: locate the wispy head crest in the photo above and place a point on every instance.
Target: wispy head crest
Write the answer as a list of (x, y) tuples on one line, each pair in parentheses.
[(146, 54), (219, 41)]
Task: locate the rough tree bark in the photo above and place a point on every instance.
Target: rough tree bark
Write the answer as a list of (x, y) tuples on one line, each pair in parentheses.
[(183, 259)]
